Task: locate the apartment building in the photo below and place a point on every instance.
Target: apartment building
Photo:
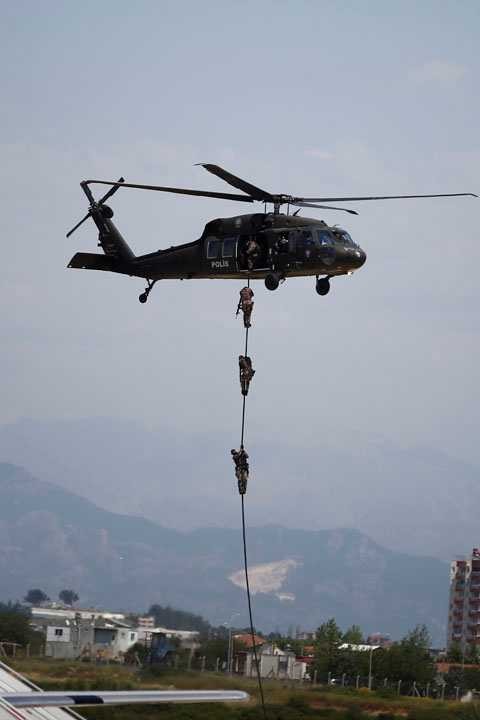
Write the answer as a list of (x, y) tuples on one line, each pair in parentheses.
[(464, 604)]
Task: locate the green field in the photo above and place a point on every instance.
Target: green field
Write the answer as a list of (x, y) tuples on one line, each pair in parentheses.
[(285, 700)]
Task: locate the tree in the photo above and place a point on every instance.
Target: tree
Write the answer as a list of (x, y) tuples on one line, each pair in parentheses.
[(69, 597), (410, 659), (418, 637), (455, 654), (15, 626), (213, 649), (35, 596), (353, 635), (471, 656), (328, 639), (169, 617)]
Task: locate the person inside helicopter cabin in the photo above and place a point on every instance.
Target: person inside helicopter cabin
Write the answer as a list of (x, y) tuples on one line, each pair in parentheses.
[(252, 252), (307, 243), (246, 373), (245, 304), (283, 242)]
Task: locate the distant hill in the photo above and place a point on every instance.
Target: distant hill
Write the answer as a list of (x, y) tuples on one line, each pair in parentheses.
[(51, 538)]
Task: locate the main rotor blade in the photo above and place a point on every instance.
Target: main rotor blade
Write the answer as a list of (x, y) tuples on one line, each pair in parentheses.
[(380, 197), (254, 192), (112, 191), (180, 191), (323, 207)]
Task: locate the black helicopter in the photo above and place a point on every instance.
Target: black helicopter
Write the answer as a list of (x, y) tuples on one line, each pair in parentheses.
[(269, 245)]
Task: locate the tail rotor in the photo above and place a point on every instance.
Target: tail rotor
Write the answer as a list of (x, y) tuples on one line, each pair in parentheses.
[(94, 203)]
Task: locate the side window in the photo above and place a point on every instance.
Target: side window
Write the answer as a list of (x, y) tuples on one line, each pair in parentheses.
[(304, 244), (326, 247), (58, 632), (214, 248), (324, 238), (229, 247)]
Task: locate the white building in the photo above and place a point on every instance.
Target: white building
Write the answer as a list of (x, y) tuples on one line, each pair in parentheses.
[(275, 663), (92, 639)]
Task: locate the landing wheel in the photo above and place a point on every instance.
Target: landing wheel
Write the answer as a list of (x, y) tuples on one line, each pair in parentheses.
[(322, 286), (144, 296), (272, 281)]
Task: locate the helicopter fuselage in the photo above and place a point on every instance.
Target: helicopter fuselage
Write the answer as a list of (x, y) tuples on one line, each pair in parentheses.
[(287, 245)]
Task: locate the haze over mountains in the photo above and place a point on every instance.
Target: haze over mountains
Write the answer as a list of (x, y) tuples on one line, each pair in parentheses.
[(413, 500), (51, 538)]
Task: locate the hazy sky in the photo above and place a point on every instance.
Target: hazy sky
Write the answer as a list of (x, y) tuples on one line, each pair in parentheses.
[(298, 97)]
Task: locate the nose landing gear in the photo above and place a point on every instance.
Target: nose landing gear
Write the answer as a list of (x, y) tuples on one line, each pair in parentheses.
[(322, 285), (143, 297)]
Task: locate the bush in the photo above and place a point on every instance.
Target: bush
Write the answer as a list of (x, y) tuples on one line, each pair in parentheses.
[(299, 703), (353, 712)]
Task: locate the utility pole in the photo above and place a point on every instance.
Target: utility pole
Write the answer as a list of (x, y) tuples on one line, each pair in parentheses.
[(370, 669), (230, 651), (230, 643)]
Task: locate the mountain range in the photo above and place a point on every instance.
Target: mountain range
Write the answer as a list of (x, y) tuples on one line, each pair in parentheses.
[(410, 499), (52, 538)]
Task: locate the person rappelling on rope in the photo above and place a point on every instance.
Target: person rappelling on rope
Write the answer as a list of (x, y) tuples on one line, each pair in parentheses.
[(240, 458), (246, 373), (245, 304)]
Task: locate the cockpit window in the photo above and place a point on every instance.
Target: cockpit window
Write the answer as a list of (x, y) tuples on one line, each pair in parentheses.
[(347, 239), (229, 247), (214, 248)]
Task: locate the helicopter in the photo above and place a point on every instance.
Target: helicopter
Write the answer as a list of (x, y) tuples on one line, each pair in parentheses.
[(272, 246)]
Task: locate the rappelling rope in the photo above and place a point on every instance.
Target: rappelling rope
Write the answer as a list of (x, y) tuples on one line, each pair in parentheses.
[(252, 630), (245, 560), (244, 405)]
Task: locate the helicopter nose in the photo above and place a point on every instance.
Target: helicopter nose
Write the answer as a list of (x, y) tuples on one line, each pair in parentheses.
[(362, 256)]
